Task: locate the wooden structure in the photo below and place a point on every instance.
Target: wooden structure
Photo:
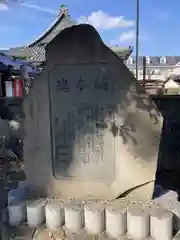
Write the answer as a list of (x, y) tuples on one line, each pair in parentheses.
[(157, 87), (153, 87)]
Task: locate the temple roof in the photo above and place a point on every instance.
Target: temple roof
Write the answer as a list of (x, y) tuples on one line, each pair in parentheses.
[(37, 53), (36, 50), (62, 21)]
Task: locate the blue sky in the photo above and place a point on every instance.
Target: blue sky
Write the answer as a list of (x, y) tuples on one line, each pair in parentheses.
[(114, 20)]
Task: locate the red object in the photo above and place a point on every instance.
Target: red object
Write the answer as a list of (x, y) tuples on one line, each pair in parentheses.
[(18, 88)]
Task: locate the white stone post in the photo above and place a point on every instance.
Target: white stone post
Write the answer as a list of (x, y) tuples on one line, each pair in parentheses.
[(94, 218), (74, 216), (116, 219), (137, 222), (161, 224)]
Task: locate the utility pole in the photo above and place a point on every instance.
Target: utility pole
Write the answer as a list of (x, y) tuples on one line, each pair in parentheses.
[(144, 71), (137, 38)]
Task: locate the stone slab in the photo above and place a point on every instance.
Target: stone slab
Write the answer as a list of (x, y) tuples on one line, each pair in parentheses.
[(91, 130)]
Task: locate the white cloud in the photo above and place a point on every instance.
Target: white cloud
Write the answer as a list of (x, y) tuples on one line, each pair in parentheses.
[(39, 8), (103, 21), (127, 36), (3, 7)]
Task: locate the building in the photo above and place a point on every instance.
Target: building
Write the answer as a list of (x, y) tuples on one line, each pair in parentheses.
[(157, 67), (35, 52)]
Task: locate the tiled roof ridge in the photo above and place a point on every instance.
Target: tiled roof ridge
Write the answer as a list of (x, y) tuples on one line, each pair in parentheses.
[(38, 52), (48, 30), (63, 14)]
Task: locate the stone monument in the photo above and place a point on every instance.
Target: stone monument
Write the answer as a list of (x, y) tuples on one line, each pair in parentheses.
[(91, 129)]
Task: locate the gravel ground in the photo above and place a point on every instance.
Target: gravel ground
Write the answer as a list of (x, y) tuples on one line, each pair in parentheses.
[(5, 186)]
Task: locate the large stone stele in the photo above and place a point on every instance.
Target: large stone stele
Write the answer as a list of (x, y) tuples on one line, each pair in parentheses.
[(91, 129)]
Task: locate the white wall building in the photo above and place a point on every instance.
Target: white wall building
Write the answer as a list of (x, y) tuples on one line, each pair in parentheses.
[(157, 67)]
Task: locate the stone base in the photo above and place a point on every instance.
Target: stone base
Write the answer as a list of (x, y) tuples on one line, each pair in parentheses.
[(162, 211)]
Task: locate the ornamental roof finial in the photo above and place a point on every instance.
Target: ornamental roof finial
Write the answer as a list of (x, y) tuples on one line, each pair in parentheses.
[(63, 9)]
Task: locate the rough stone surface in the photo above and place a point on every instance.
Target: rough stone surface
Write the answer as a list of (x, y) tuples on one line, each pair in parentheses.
[(60, 234), (177, 236), (168, 195), (41, 233), (23, 233), (91, 129)]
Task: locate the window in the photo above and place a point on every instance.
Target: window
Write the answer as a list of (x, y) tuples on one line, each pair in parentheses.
[(148, 60), (163, 60)]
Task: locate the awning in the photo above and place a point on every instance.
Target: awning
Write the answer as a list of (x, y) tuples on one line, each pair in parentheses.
[(16, 63)]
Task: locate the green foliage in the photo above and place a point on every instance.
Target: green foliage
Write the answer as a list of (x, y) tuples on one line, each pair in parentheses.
[(63, 6)]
